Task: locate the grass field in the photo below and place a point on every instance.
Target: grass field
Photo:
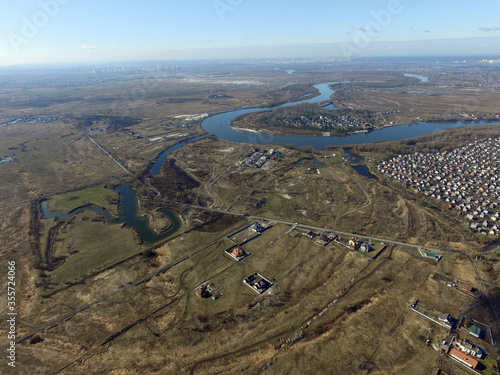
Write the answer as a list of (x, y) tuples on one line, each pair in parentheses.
[(89, 247), (96, 196), (50, 158)]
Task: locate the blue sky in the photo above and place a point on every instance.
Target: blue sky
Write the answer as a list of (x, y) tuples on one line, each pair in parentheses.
[(38, 31)]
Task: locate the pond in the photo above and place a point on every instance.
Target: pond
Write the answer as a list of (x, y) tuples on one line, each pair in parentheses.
[(363, 171)]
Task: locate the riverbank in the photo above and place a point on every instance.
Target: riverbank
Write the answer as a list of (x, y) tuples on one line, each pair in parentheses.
[(158, 221)]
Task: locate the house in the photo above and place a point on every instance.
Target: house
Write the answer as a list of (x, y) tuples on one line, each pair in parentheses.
[(256, 227), (470, 349), (464, 358), (323, 239), (428, 254), (354, 242), (310, 234), (365, 247), (467, 288), (262, 284), (237, 252), (202, 291), (445, 318)]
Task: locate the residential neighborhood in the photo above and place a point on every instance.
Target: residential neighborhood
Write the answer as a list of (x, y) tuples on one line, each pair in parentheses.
[(466, 179), (324, 122), (256, 158)]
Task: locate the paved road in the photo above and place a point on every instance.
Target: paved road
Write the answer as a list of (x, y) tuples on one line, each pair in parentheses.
[(101, 147), (330, 230), (107, 153)]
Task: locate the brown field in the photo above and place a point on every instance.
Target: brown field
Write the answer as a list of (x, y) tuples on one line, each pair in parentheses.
[(118, 307)]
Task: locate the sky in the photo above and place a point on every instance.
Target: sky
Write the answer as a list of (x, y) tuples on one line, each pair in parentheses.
[(46, 31)]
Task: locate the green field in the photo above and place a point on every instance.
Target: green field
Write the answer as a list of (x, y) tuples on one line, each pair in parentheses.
[(97, 196)]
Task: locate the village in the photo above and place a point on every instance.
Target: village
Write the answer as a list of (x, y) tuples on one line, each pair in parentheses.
[(466, 340), (466, 179), (325, 123), (261, 284), (256, 158)]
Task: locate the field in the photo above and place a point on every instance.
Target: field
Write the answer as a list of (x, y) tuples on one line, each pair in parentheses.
[(50, 158), (88, 246), (91, 299), (96, 196)]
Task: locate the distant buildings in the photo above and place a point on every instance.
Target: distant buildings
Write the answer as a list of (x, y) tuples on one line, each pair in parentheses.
[(466, 179), (257, 158)]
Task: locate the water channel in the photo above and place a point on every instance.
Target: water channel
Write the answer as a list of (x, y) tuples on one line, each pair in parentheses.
[(129, 216)]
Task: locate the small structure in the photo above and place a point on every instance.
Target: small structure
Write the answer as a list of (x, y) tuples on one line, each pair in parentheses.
[(237, 253), (256, 227), (354, 242), (464, 358), (476, 331), (427, 254), (445, 318), (202, 291), (469, 348), (258, 283), (365, 247)]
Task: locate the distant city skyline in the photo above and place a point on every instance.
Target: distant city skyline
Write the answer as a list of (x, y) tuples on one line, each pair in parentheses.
[(58, 31)]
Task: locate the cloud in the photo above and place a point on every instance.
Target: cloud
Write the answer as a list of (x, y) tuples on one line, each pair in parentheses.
[(361, 28), (112, 47), (84, 46), (487, 28), (208, 40)]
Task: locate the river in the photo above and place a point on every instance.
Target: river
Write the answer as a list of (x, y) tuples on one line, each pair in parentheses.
[(129, 212), (220, 126), (423, 79)]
